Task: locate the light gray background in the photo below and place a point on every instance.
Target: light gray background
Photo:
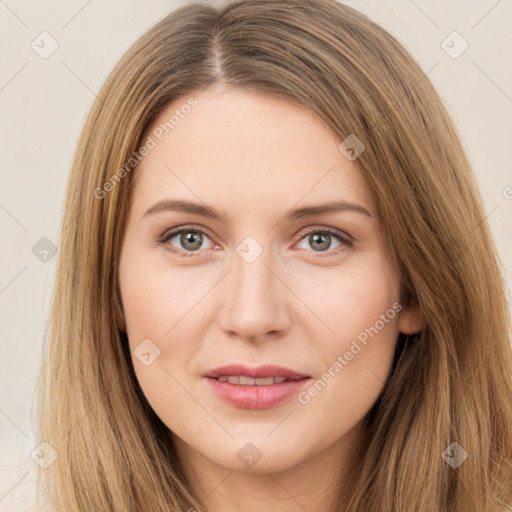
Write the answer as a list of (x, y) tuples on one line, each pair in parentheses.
[(43, 104)]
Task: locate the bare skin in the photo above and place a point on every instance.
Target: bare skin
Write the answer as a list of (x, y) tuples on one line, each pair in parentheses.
[(300, 304)]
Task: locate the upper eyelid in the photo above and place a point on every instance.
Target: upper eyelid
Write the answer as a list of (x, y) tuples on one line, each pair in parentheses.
[(176, 231)]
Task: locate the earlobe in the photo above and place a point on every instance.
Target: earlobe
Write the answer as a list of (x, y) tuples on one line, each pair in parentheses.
[(412, 319)]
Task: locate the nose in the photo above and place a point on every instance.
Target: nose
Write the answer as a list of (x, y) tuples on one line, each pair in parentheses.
[(255, 301)]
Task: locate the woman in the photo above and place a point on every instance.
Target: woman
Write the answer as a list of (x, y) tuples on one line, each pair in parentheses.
[(276, 285)]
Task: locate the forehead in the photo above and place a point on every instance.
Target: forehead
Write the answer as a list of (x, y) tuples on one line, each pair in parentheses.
[(247, 151)]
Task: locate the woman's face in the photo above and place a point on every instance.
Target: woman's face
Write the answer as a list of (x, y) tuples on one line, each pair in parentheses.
[(262, 274)]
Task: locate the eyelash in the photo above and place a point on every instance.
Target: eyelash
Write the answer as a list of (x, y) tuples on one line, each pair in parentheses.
[(325, 231)]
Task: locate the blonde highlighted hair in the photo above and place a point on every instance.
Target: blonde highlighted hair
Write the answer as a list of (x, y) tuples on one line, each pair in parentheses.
[(452, 384)]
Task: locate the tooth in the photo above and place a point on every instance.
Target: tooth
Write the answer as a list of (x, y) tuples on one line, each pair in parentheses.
[(244, 381), (265, 382), (249, 381)]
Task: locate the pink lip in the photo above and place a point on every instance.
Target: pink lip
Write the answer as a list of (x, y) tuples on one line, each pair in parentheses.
[(259, 372), (256, 397)]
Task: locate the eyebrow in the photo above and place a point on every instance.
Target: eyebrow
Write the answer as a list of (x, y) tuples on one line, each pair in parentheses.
[(180, 205)]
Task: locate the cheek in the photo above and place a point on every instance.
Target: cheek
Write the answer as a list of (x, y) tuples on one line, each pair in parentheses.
[(158, 309), (155, 297), (145, 303), (352, 302), (167, 307), (361, 309)]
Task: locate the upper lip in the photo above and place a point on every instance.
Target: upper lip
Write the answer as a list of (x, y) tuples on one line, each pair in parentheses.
[(260, 372)]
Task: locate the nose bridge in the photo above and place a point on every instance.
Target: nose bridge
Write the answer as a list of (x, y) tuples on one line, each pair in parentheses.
[(254, 304), (253, 279)]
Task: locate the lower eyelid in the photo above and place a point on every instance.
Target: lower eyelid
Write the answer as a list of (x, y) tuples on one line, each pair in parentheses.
[(345, 242)]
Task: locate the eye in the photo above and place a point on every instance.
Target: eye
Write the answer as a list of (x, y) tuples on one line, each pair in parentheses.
[(188, 239), (320, 240)]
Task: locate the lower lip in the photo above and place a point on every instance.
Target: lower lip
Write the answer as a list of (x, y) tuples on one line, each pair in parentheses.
[(256, 397)]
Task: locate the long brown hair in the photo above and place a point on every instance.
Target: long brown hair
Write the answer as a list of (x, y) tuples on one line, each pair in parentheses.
[(452, 384)]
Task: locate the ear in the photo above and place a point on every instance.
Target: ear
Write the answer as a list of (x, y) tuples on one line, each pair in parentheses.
[(412, 319)]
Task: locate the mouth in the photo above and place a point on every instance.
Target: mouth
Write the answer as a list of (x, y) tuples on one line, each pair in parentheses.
[(255, 388)]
